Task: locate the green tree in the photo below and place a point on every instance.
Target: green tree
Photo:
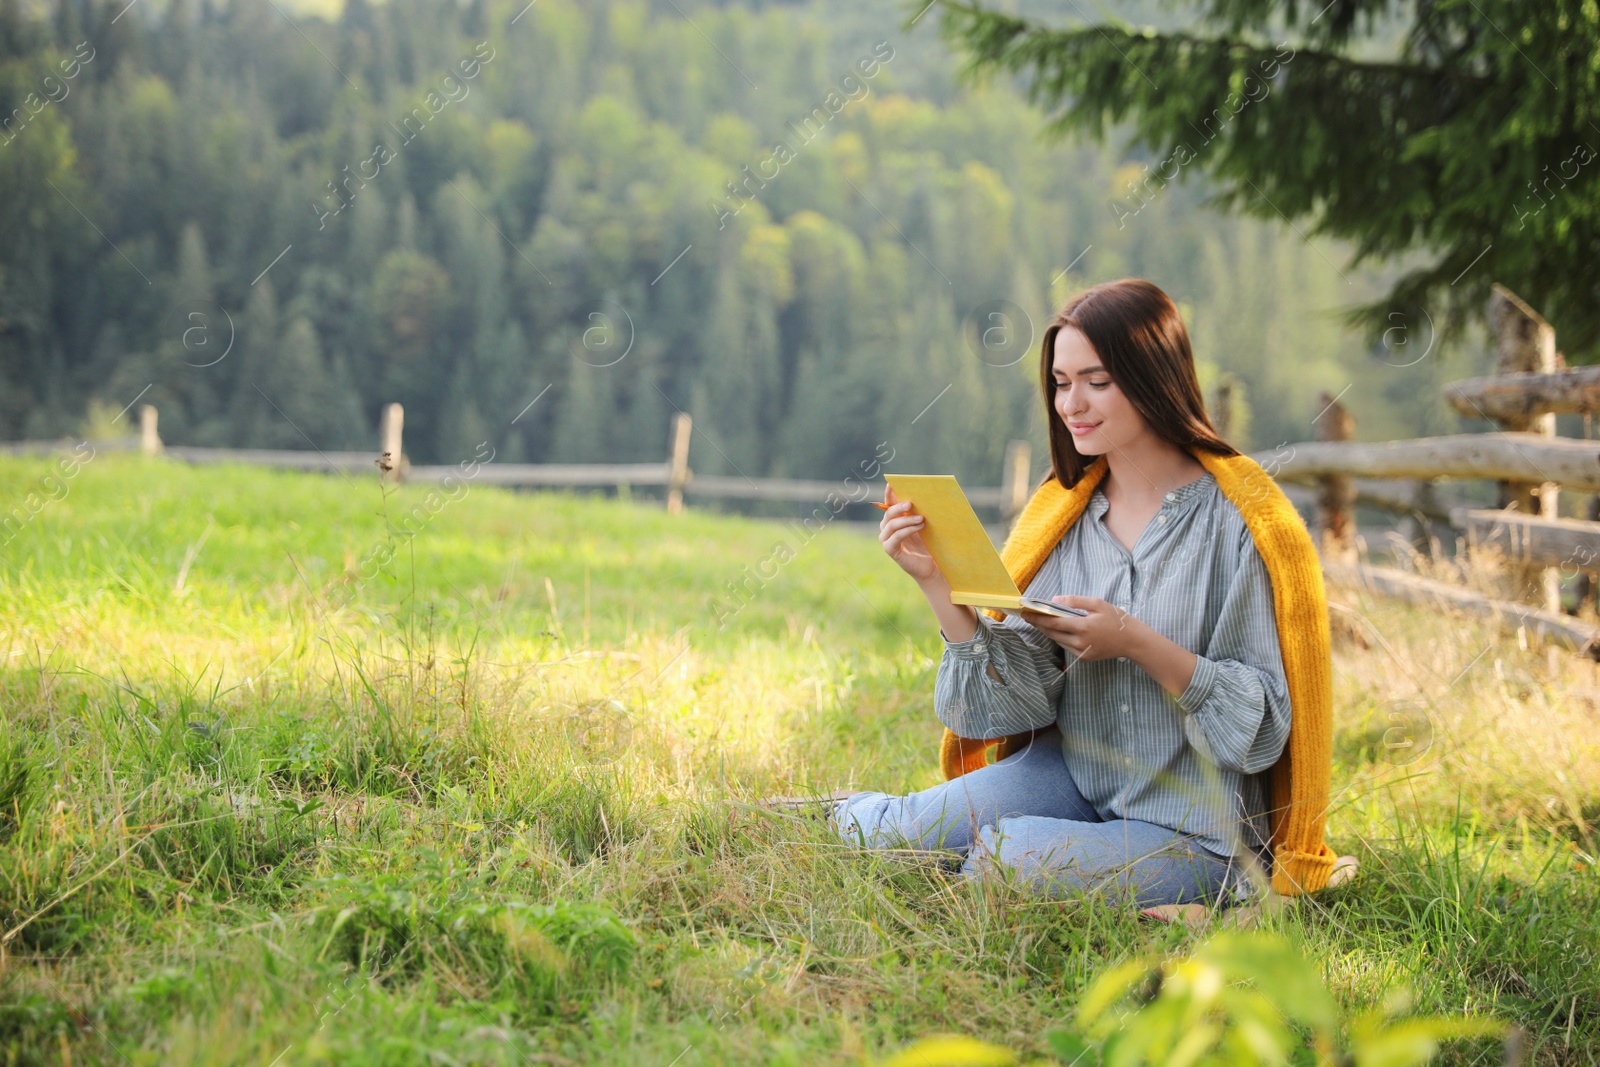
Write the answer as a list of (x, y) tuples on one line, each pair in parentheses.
[(254, 357), (413, 308), (739, 368), (832, 380), (37, 226), (1473, 141), (582, 413), (312, 414)]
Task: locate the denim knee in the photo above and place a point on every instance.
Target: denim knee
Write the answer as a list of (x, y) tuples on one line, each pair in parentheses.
[(1090, 862)]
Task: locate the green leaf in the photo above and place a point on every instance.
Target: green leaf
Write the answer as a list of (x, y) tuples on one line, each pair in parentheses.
[(1109, 988), (1414, 1041), (1075, 1050)]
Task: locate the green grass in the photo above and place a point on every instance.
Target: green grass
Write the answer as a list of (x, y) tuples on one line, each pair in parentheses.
[(475, 809)]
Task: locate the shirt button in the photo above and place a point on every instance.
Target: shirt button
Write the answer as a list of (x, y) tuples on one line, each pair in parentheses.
[(1163, 518), (1124, 709), (1171, 496), (979, 646), (1122, 659), (1127, 761)]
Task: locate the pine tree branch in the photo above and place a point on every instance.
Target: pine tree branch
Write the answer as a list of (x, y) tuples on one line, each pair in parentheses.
[(1475, 145), (996, 40)]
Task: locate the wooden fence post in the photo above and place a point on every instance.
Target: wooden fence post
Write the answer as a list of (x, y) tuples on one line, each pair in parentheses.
[(1014, 481), (1425, 502), (678, 464), (1587, 600), (390, 428), (1336, 493), (149, 439), (1524, 342), (1222, 414)]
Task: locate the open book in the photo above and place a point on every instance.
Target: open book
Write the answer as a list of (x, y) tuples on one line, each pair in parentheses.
[(962, 549)]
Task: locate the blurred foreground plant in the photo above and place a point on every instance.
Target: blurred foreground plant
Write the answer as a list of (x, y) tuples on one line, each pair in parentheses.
[(1240, 999)]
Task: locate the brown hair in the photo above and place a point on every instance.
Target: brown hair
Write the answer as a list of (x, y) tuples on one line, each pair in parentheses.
[(1143, 344)]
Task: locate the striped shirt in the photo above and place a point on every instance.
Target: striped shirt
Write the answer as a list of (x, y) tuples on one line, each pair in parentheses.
[(1191, 763)]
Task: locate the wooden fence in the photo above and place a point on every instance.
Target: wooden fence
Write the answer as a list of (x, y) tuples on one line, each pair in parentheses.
[(1528, 463), (673, 474)]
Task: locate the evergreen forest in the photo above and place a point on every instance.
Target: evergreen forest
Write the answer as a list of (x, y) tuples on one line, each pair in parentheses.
[(550, 227)]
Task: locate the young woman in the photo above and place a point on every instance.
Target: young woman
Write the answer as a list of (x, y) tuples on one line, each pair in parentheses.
[(1153, 715)]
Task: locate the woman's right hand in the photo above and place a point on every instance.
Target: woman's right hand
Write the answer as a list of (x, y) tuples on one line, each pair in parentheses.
[(900, 534)]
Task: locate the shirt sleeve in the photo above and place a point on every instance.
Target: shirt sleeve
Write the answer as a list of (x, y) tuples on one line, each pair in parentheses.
[(1006, 679), (1236, 707)]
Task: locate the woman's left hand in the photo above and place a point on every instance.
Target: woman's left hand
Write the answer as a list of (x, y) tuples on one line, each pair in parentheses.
[(1106, 632)]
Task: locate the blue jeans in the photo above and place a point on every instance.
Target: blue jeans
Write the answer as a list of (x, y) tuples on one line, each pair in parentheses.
[(1025, 813)]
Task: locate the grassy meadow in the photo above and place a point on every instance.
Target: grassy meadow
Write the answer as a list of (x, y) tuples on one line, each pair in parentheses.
[(264, 801)]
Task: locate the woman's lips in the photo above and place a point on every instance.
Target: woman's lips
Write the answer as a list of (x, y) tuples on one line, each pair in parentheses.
[(1081, 428)]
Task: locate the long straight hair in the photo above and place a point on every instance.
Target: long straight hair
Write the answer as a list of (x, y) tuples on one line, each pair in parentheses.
[(1143, 344)]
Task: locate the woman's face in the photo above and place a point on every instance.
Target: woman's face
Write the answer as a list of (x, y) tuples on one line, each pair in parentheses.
[(1095, 411)]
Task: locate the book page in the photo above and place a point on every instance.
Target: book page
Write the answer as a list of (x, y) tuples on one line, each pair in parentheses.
[(957, 540)]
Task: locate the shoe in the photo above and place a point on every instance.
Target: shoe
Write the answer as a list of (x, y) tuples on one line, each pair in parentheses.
[(1344, 869)]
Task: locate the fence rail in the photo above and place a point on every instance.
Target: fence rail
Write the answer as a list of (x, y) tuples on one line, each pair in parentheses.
[(56, 447), (555, 474), (1526, 394), (290, 459), (1509, 456)]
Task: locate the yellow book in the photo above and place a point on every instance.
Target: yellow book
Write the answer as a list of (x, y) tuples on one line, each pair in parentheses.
[(962, 549)]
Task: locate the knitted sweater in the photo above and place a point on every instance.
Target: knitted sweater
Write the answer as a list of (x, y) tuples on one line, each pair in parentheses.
[(1297, 808)]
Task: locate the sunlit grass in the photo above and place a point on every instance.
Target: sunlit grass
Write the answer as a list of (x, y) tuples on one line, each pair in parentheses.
[(485, 804)]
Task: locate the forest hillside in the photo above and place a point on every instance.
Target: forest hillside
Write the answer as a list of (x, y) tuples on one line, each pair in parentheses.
[(552, 226)]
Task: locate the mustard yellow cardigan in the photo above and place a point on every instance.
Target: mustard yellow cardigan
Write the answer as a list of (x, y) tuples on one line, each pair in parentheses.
[(1301, 861)]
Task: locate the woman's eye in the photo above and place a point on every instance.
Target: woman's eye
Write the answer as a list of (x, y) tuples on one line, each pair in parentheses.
[(1099, 385)]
